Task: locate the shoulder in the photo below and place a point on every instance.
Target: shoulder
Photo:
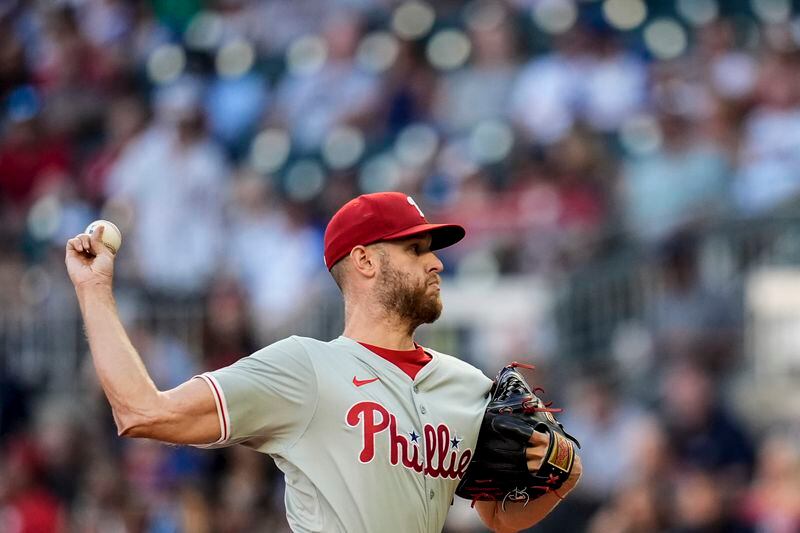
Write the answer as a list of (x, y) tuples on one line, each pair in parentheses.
[(284, 351), (305, 347), (456, 365), (458, 381), (282, 363), (307, 344), (289, 344)]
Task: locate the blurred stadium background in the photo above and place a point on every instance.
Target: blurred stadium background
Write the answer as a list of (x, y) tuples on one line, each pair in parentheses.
[(628, 171)]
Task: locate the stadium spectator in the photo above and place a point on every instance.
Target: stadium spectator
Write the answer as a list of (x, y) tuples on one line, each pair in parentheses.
[(769, 172), (546, 92), (227, 331), (634, 508), (305, 101), (169, 175), (125, 120), (702, 504), (730, 71), (597, 413), (273, 253), (26, 502), (703, 433), (773, 501), (480, 90), (688, 319), (615, 83), (32, 160), (679, 183)]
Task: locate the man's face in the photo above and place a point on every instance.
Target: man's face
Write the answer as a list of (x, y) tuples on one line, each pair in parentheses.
[(408, 282)]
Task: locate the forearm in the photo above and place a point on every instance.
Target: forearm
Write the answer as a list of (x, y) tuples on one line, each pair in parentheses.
[(516, 516), (122, 374)]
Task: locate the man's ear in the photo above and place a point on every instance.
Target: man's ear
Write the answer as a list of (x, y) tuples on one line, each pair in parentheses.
[(365, 260)]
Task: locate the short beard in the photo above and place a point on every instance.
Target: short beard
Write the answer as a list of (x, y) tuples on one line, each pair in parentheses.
[(400, 298)]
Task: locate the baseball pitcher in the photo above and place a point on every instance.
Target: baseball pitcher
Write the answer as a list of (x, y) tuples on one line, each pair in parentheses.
[(372, 431)]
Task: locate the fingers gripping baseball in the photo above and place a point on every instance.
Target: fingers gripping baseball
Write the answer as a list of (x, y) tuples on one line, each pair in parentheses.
[(88, 260)]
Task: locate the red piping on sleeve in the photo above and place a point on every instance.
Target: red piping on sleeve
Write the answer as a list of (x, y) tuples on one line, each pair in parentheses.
[(221, 410)]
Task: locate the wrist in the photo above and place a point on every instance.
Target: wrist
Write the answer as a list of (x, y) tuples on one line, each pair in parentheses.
[(574, 476), (94, 288)]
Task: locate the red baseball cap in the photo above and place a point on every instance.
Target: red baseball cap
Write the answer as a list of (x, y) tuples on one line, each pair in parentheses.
[(382, 216)]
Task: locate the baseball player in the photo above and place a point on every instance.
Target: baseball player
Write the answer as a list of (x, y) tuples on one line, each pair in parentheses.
[(372, 431)]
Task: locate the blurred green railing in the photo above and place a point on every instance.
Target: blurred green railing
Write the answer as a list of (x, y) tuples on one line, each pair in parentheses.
[(44, 346), (592, 302)]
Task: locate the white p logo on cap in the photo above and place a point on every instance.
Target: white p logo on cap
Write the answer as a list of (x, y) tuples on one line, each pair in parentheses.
[(412, 202)]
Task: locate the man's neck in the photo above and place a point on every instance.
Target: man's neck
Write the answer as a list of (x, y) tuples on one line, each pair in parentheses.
[(378, 329), (376, 338)]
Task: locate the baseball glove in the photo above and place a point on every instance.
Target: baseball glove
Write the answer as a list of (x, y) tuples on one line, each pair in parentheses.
[(499, 469)]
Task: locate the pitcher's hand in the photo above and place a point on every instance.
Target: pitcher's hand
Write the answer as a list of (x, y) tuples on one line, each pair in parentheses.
[(88, 261), (535, 455), (539, 442)]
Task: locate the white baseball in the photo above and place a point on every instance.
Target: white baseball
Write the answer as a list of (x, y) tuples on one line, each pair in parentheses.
[(112, 237)]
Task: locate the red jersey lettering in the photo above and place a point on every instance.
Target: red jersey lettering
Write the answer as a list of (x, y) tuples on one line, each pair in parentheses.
[(442, 456)]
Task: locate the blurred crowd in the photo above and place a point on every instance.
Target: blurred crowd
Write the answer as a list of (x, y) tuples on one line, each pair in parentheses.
[(222, 134)]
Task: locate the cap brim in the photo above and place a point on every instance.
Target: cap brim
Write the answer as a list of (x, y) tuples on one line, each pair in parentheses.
[(442, 235)]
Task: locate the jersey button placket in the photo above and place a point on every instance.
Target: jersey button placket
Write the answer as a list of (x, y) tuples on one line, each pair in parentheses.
[(422, 408), (423, 411)]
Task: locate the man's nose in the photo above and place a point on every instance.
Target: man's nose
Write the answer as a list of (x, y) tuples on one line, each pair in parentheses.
[(436, 264)]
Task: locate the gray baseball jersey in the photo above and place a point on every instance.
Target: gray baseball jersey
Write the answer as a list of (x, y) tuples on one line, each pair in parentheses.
[(364, 447)]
